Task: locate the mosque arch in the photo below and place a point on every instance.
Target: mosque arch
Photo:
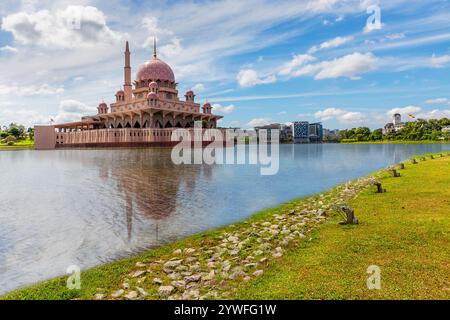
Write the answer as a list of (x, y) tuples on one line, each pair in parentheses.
[(158, 124), (127, 125), (168, 124), (137, 125), (119, 126)]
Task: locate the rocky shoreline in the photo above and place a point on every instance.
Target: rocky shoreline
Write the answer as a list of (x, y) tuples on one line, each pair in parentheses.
[(239, 253)]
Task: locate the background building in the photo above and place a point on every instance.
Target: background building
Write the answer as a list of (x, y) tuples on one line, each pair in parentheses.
[(394, 126), (285, 131), (315, 132), (300, 131), (305, 132)]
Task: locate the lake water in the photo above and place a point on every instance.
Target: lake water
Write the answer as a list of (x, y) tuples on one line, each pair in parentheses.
[(86, 207)]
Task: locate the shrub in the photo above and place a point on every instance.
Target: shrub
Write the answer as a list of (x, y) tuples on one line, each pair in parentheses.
[(9, 139), (10, 143)]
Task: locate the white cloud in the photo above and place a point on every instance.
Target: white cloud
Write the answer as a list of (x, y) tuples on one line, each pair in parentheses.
[(72, 110), (341, 115), (259, 122), (75, 26), (250, 78), (350, 66), (395, 36), (434, 114), (282, 113), (11, 114), (437, 101), (297, 61), (217, 108), (440, 61), (9, 49), (199, 87), (334, 43), (404, 110), (419, 113), (25, 91), (321, 5)]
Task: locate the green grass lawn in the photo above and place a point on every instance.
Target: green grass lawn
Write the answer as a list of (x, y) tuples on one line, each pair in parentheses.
[(21, 144), (404, 231), (398, 142)]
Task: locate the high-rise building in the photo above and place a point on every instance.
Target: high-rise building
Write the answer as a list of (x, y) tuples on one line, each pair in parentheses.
[(300, 131), (305, 132), (315, 132)]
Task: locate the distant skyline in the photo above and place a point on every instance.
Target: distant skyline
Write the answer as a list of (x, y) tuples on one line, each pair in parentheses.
[(257, 62)]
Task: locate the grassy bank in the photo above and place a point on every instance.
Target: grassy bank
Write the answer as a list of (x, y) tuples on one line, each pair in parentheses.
[(397, 142), (404, 231), (298, 250), (21, 144)]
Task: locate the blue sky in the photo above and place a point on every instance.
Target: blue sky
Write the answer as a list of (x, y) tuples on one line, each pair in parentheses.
[(255, 61)]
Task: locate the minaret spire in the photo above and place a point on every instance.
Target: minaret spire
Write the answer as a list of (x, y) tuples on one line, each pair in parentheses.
[(127, 74), (154, 47)]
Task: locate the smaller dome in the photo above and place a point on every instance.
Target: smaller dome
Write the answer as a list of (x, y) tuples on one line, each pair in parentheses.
[(120, 93), (152, 96), (103, 105), (189, 93), (207, 105), (153, 84)]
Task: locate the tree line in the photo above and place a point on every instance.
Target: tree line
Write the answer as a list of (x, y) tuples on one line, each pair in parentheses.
[(14, 133), (412, 131)]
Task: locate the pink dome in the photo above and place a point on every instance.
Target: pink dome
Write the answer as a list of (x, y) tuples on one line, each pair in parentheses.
[(103, 105), (152, 95), (207, 105), (153, 84), (120, 93), (155, 69)]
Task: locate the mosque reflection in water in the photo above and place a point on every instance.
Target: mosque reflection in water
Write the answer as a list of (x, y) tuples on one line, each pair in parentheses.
[(150, 185)]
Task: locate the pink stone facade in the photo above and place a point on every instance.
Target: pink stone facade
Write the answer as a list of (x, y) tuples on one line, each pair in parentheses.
[(145, 112)]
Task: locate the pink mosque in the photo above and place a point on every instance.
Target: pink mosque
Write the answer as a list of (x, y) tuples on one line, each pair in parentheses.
[(145, 115)]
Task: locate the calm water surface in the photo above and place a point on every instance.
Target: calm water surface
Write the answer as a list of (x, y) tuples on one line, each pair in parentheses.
[(86, 207)]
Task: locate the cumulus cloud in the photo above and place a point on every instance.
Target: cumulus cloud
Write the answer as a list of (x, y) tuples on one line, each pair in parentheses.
[(297, 61), (434, 114), (341, 115), (350, 66), (334, 43), (75, 26), (250, 78), (257, 122), (10, 114), (218, 108), (72, 110), (440, 61), (418, 112), (437, 101), (26, 91)]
